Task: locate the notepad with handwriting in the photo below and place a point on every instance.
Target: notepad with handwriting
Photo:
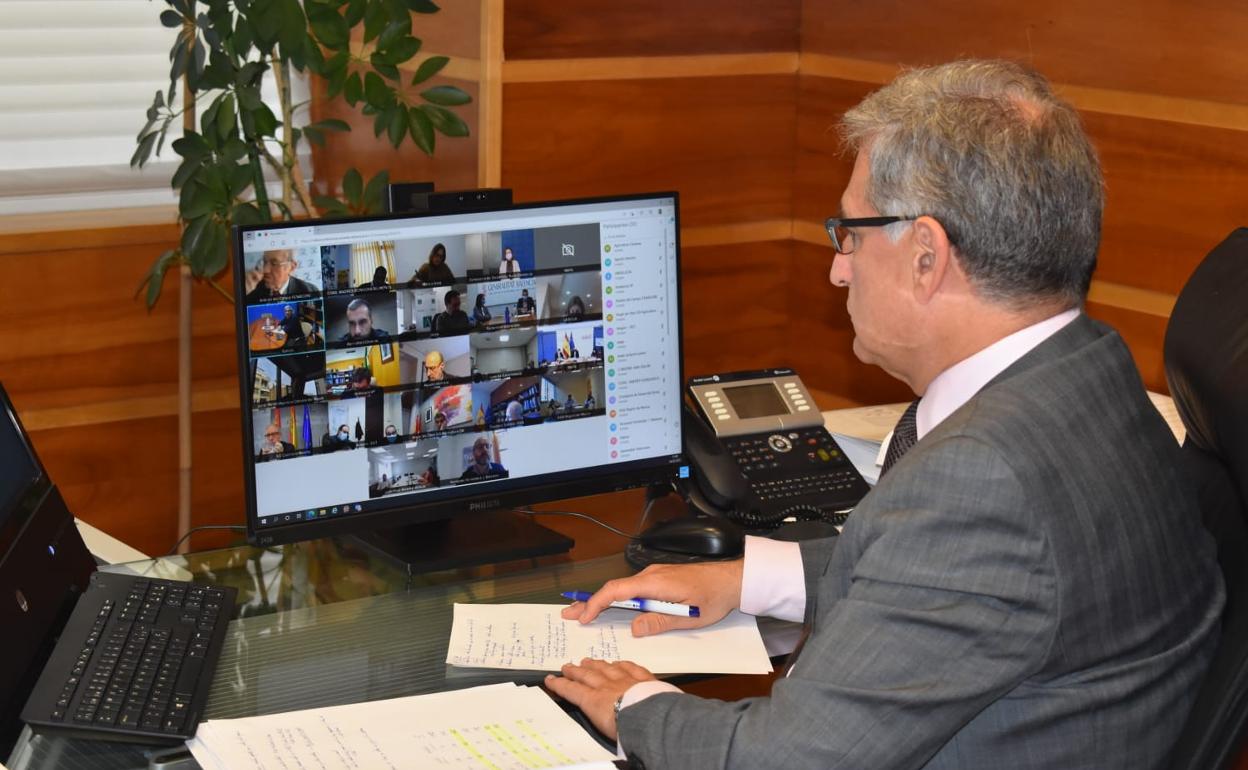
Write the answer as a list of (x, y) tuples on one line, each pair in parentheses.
[(534, 637)]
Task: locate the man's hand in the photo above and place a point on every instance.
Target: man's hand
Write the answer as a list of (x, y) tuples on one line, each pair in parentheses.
[(595, 686), (252, 279), (713, 587)]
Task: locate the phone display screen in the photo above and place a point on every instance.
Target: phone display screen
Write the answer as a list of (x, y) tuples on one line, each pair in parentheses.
[(756, 401)]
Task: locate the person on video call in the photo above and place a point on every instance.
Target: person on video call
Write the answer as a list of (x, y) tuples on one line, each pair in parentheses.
[(435, 366), (525, 305), (429, 478), (452, 320), (339, 439), (435, 270), (515, 411), (508, 267), (273, 444), (1028, 584), (391, 433), (379, 280), (290, 323), (576, 309), (275, 277), (569, 402), (480, 313), (362, 379), (481, 465), (360, 323), (439, 421)]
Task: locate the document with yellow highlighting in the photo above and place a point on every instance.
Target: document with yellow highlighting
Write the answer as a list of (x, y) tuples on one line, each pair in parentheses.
[(501, 726)]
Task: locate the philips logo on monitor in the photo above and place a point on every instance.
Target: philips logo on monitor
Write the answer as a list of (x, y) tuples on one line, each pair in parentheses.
[(482, 505)]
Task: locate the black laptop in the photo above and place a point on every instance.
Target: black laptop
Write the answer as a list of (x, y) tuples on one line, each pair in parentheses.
[(44, 567)]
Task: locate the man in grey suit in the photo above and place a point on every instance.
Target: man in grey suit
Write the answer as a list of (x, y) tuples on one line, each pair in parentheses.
[(1029, 585)]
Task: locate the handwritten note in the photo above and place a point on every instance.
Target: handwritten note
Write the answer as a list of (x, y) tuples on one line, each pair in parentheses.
[(534, 637), (497, 726)]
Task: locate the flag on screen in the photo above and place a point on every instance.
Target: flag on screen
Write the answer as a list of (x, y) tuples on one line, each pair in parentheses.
[(307, 428), (292, 426)]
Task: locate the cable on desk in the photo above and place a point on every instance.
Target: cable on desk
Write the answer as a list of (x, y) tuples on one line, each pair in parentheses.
[(234, 527), (587, 517)]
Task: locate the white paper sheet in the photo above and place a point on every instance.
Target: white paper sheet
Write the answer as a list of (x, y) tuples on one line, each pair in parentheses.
[(534, 637), (499, 726)]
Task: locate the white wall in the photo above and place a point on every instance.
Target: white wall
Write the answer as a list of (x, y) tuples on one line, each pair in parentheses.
[(500, 359)]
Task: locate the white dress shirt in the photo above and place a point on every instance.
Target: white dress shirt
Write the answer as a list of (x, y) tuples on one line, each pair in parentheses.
[(773, 582)]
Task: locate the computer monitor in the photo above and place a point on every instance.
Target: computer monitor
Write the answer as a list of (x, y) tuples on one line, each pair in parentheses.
[(422, 367)]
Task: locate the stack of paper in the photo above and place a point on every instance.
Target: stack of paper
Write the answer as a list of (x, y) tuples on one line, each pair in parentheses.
[(501, 726), (534, 637)]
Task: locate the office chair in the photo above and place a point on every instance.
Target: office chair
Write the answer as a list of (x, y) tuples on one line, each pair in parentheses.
[(1206, 360)]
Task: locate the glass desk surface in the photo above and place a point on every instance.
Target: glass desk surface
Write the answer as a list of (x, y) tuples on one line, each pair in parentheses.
[(323, 623)]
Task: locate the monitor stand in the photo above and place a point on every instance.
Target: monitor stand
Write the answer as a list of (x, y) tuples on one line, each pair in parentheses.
[(466, 540)]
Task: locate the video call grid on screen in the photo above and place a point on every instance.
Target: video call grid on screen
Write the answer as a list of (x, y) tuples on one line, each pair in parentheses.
[(399, 357)]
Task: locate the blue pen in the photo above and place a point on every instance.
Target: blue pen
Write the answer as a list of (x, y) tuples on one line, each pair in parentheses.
[(642, 605)]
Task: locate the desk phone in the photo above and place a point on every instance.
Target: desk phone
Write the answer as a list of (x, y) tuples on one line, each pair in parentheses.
[(760, 453)]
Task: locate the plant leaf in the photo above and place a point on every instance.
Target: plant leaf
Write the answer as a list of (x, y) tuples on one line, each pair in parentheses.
[(185, 172), (428, 68), (314, 136), (374, 198), (194, 201), (447, 96), (445, 121), (353, 89), (331, 124), (375, 90), (352, 186), (193, 235), (293, 27), (217, 253), (171, 19), (397, 127), (144, 150), (191, 145), (404, 49), (374, 20), (155, 278), (384, 67), (330, 29), (246, 214), (422, 6), (422, 130)]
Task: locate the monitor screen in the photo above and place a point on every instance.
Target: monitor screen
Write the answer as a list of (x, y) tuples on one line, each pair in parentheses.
[(413, 367)]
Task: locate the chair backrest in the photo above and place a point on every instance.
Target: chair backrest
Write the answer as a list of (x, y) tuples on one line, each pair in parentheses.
[(1206, 355)]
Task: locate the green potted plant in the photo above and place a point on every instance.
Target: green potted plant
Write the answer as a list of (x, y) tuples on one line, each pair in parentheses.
[(232, 140)]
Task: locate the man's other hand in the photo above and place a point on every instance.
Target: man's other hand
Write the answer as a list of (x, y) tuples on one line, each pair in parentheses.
[(713, 587), (595, 686)]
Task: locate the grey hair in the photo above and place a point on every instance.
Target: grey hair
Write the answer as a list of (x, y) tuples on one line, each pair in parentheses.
[(358, 303), (988, 150)]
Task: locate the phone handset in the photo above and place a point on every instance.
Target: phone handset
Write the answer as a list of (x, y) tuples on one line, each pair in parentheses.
[(760, 453)]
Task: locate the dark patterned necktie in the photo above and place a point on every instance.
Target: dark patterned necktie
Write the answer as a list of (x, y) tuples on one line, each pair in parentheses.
[(904, 436)]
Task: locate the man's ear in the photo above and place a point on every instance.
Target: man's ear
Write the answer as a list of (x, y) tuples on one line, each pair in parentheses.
[(933, 258)]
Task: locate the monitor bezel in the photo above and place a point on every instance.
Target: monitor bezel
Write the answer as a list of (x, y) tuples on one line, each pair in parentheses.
[(15, 513), (556, 486)]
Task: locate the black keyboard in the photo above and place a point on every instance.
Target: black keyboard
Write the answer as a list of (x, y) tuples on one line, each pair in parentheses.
[(135, 661)]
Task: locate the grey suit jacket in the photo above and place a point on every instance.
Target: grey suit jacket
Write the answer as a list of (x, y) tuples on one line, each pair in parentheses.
[(1029, 587)]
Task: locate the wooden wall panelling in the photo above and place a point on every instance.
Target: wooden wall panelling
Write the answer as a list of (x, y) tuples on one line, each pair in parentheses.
[(549, 29), (725, 144), (735, 306), (1173, 192), (1149, 46), (820, 169)]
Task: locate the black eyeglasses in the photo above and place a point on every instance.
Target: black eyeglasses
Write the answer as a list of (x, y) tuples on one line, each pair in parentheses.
[(841, 231)]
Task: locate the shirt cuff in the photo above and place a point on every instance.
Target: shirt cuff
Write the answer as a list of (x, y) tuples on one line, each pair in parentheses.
[(772, 580), (636, 694)]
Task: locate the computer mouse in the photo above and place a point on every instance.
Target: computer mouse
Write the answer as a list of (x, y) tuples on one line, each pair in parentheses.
[(797, 531), (697, 535)]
